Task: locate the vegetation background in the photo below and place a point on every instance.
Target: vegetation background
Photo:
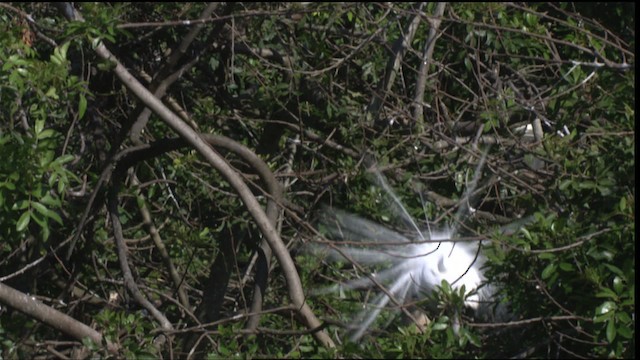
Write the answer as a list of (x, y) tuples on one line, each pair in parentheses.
[(123, 234)]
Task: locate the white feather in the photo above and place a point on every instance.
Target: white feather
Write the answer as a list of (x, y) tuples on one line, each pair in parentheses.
[(416, 267)]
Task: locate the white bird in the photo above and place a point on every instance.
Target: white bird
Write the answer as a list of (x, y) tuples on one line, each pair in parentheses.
[(419, 261)]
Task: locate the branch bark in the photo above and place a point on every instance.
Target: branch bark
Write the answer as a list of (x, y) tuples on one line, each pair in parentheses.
[(157, 240), (430, 44), (399, 49), (129, 281), (162, 80), (52, 317)]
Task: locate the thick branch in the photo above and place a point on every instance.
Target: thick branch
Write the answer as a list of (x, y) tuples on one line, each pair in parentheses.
[(52, 317)]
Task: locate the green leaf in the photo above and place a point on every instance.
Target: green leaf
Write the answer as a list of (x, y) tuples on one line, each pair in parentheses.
[(565, 266), (55, 58), (39, 126), (46, 212), (46, 134), (548, 271), (526, 233), (623, 317), (107, 65), (587, 185), (564, 185), (473, 338), (618, 284), (52, 179), (546, 256), (625, 332), (467, 63), (52, 93), (203, 234), (8, 185), (623, 203), (23, 221), (606, 307), (59, 56), (611, 330), (140, 201), (616, 270), (606, 293), (603, 318), (439, 326), (20, 205), (82, 106), (63, 50), (45, 233), (64, 159), (446, 288), (62, 184), (48, 199), (39, 208), (38, 218)]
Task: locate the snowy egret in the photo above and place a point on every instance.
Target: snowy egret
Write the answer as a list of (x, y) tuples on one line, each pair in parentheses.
[(418, 261)]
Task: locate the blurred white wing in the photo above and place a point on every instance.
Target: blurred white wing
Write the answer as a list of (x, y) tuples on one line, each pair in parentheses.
[(417, 262)]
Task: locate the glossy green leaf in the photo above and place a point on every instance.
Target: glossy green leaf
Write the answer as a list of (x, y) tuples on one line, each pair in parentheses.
[(50, 200), (618, 284), (548, 271), (45, 134), (606, 307), (23, 222), (20, 205), (47, 212), (39, 126), (439, 326)]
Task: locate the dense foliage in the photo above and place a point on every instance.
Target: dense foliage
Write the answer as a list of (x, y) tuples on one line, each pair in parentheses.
[(315, 89)]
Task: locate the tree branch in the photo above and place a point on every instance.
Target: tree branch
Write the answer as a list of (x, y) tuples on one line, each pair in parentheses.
[(429, 46), (52, 317), (399, 48)]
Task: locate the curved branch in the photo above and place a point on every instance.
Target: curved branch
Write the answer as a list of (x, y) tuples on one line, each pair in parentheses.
[(129, 281), (52, 317)]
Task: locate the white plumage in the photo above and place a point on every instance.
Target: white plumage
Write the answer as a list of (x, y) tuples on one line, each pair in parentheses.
[(418, 261)]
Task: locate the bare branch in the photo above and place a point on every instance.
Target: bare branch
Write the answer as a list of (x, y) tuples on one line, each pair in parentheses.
[(52, 317), (429, 46)]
